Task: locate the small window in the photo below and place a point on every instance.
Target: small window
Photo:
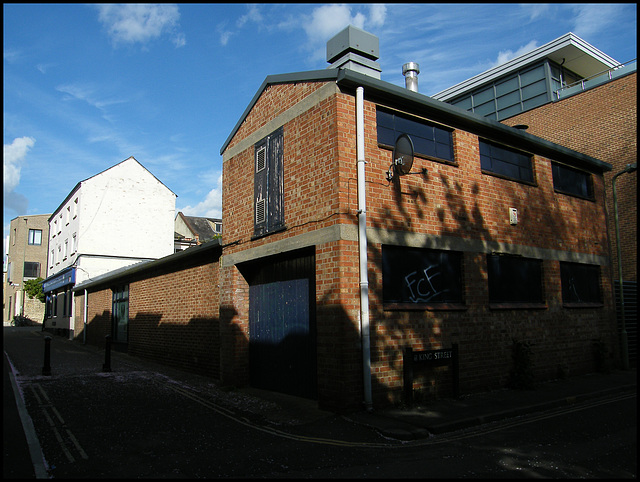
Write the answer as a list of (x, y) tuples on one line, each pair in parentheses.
[(572, 181), (31, 269), (35, 236), (412, 277), (429, 140), (580, 283), (505, 162), (514, 279)]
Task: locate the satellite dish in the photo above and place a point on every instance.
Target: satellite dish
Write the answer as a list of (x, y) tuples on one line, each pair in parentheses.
[(403, 154)]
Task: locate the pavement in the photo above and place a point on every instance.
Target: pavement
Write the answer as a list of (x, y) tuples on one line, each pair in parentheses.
[(24, 348)]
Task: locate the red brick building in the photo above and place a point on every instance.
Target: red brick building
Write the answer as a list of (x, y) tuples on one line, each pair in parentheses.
[(491, 240), (454, 217)]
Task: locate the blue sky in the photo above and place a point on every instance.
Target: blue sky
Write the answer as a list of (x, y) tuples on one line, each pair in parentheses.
[(87, 86)]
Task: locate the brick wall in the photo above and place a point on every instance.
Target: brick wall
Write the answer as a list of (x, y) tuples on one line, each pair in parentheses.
[(174, 318), (601, 122), (173, 315)]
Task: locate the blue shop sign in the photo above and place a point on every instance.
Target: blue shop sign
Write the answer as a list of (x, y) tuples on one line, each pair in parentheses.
[(67, 277)]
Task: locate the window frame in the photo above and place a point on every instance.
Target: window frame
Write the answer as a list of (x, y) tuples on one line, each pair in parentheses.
[(556, 170), (32, 265), (584, 272), (499, 148), (505, 293), (418, 122), (31, 241), (397, 259)]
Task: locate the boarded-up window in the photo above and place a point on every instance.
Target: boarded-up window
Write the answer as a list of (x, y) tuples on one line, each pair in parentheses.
[(269, 184), (417, 276)]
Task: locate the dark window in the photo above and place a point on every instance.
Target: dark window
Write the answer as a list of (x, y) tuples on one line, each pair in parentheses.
[(35, 236), (64, 297), (120, 313), (429, 140), (421, 276), (31, 269), (269, 184), (513, 279), (572, 181), (580, 283), (505, 162)]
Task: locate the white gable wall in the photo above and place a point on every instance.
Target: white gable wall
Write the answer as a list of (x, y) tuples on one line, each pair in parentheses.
[(124, 214)]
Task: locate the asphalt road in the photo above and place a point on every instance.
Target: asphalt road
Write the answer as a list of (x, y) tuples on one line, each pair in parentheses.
[(139, 422)]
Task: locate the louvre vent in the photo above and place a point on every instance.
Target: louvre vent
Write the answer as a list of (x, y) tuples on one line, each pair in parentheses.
[(261, 159), (261, 211)]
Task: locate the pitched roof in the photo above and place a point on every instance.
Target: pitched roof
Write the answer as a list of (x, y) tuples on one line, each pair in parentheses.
[(420, 104), (200, 226)]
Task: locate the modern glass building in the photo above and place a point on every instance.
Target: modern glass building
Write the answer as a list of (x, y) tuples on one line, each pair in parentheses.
[(562, 67)]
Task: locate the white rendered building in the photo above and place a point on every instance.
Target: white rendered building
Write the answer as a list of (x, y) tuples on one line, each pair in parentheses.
[(119, 217)]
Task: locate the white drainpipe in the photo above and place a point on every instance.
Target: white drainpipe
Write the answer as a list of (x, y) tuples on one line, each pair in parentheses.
[(362, 247)]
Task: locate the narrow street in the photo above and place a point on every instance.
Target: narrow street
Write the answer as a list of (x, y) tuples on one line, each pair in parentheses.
[(147, 421)]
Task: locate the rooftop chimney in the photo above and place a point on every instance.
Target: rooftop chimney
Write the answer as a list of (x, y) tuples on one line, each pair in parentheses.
[(354, 49), (410, 70)]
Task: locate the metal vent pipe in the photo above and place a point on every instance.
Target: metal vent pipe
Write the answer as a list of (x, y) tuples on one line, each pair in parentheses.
[(410, 70)]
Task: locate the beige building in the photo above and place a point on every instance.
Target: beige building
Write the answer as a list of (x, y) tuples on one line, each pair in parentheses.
[(26, 259)]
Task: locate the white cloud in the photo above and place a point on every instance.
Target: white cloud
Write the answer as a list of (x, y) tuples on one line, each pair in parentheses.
[(224, 33), (593, 18), (506, 55), (131, 23), (14, 155), (378, 13), (253, 15), (11, 55), (211, 207), (328, 20)]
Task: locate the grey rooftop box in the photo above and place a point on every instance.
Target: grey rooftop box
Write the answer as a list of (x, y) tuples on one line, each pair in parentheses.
[(353, 39)]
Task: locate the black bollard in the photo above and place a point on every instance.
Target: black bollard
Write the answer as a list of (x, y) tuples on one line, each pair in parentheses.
[(46, 369), (107, 354)]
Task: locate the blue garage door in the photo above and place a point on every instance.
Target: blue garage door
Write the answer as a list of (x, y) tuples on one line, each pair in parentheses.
[(281, 345)]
